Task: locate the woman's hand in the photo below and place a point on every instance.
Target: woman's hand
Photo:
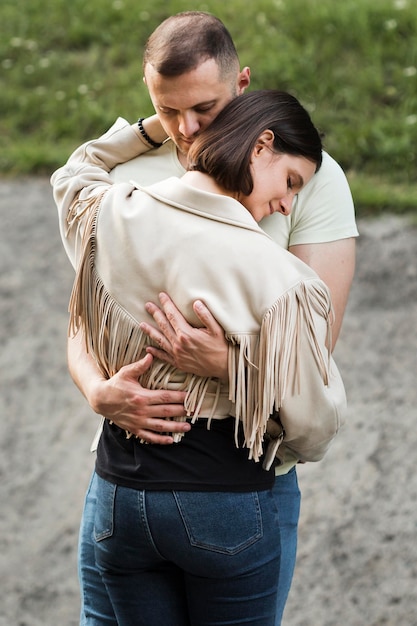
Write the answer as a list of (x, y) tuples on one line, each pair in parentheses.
[(202, 351)]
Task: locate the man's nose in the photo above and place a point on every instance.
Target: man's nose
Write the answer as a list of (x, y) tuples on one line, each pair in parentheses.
[(188, 125)]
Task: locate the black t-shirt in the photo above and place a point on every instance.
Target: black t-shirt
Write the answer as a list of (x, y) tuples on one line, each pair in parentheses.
[(204, 460)]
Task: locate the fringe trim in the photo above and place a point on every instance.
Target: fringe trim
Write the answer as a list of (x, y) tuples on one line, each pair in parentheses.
[(259, 390), (79, 208), (262, 367), (76, 212)]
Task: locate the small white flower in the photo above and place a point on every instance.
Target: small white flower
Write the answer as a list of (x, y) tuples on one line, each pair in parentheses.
[(391, 24), (391, 91), (82, 89), (411, 119), (30, 44), (16, 42), (45, 62), (261, 19), (400, 4), (60, 95), (410, 71), (29, 69)]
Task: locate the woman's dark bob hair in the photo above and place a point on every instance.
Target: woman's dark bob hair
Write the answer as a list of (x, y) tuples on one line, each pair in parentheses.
[(224, 149)]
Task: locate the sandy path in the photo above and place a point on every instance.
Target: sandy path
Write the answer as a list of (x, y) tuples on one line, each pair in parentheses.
[(357, 562)]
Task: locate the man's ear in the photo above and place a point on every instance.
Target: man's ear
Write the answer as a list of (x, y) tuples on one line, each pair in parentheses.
[(265, 140), (243, 80)]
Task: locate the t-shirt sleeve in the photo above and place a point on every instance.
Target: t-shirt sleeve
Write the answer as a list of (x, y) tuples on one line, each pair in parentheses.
[(323, 211)]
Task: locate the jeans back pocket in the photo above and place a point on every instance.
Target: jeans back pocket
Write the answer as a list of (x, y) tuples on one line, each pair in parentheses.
[(222, 522), (104, 516)]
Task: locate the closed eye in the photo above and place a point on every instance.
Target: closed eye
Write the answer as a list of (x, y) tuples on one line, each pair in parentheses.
[(295, 182)]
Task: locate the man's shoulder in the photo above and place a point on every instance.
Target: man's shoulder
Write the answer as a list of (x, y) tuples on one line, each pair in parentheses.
[(329, 171), (324, 210), (328, 184), (150, 167)]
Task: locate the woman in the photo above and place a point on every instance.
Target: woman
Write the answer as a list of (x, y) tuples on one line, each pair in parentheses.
[(185, 533)]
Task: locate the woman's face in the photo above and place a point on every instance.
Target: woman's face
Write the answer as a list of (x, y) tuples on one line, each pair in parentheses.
[(277, 178)]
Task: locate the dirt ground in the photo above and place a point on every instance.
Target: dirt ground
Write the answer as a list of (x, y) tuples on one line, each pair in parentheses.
[(357, 558)]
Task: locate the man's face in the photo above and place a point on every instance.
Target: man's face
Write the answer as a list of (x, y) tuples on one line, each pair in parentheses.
[(188, 103)]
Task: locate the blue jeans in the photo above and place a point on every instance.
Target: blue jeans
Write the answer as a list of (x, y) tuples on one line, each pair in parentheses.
[(96, 608), (188, 558)]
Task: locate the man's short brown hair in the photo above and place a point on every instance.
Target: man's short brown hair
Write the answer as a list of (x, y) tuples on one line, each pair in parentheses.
[(183, 41)]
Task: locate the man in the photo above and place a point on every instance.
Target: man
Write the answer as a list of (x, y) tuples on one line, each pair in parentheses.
[(192, 70)]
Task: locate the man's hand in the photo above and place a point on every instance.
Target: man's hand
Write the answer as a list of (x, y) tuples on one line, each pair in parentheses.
[(202, 351), (141, 411), (123, 400)]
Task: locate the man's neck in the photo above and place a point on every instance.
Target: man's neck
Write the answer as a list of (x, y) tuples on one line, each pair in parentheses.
[(182, 158)]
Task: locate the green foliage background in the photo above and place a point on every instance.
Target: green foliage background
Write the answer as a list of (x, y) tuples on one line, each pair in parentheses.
[(69, 68)]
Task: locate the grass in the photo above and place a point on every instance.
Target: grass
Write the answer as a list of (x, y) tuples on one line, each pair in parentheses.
[(68, 69)]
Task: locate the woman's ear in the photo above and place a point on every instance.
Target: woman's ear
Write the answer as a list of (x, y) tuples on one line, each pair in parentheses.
[(265, 140)]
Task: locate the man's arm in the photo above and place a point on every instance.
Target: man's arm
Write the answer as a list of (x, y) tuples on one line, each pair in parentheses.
[(334, 262), (123, 400)]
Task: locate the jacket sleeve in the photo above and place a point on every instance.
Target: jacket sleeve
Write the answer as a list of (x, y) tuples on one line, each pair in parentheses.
[(320, 410), (86, 175), (314, 406), (298, 380)]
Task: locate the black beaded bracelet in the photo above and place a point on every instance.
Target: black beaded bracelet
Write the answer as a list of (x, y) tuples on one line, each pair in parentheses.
[(145, 135)]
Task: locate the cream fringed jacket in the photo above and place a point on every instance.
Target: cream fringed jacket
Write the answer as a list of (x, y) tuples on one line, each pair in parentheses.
[(193, 245)]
